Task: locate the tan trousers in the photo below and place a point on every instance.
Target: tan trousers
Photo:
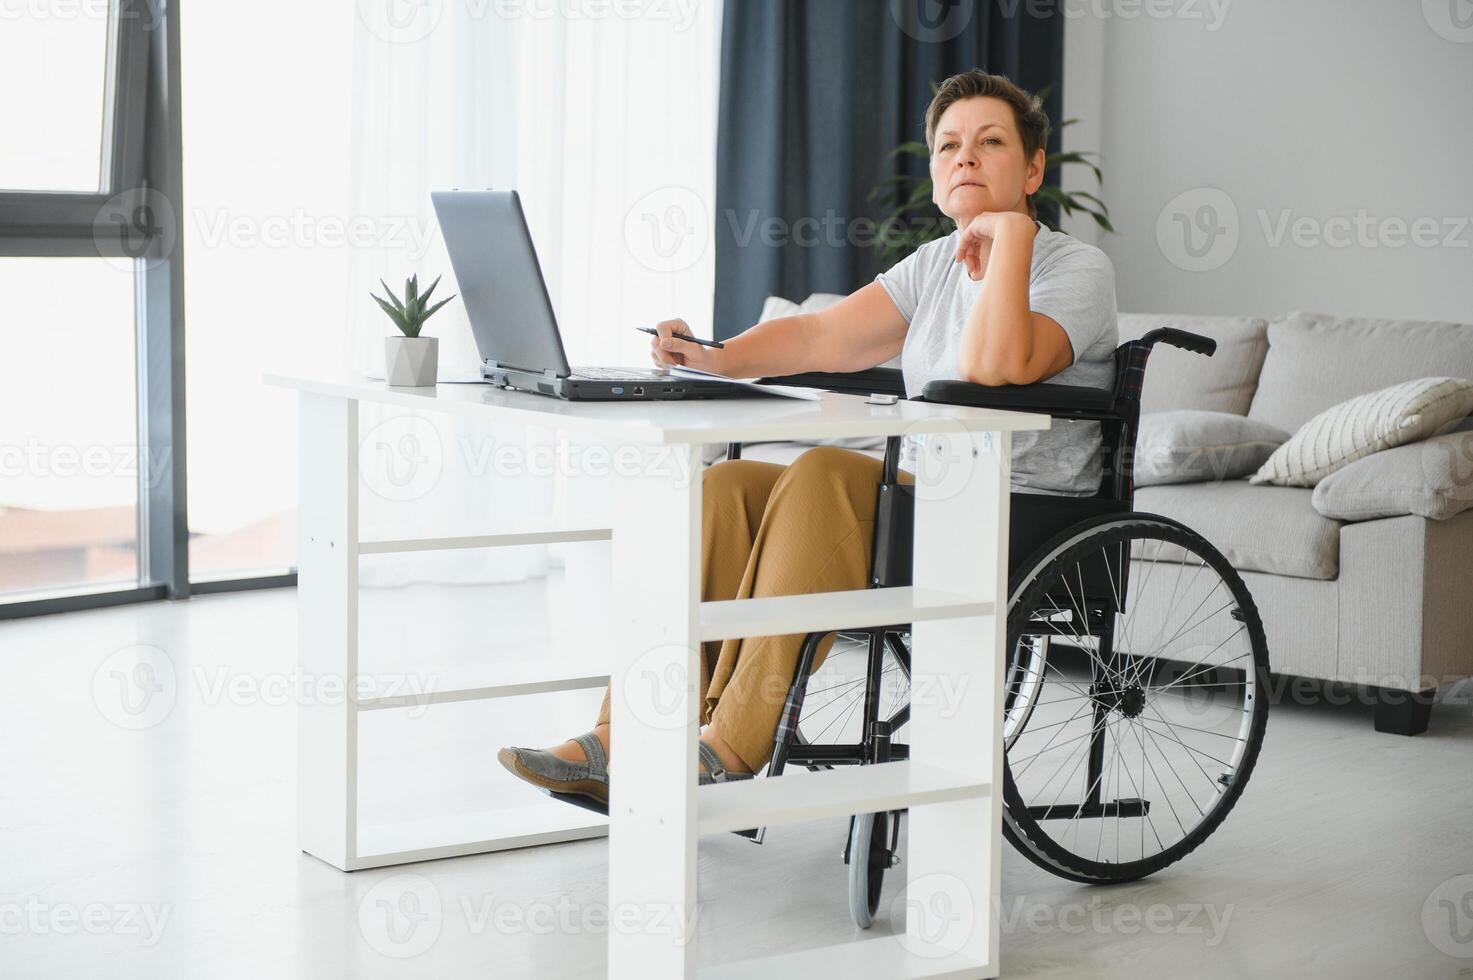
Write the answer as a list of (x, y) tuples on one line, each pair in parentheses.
[(769, 530)]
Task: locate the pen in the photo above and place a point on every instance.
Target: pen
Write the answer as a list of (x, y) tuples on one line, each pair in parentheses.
[(685, 336)]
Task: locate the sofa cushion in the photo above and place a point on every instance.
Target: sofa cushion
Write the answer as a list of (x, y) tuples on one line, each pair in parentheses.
[(1265, 529), (1360, 426), (1189, 446), (1315, 361), (1432, 479), (1178, 379)]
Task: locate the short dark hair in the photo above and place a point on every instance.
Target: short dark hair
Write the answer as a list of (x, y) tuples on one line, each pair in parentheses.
[(1028, 114)]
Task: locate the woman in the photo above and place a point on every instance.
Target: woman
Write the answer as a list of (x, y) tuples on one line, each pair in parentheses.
[(1002, 300)]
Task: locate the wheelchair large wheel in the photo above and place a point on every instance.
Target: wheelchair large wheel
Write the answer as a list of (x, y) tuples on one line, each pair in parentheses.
[(1135, 699)]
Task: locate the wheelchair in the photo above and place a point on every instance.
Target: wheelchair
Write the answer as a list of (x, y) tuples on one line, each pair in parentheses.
[(1136, 673)]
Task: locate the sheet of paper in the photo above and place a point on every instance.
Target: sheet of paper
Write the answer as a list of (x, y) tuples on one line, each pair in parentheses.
[(787, 391)]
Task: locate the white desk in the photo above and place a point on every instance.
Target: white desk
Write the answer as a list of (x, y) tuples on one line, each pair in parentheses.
[(657, 813)]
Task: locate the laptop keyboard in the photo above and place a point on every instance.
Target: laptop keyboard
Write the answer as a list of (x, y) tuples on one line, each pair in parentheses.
[(616, 374)]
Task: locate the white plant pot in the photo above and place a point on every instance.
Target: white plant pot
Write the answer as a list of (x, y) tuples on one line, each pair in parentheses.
[(411, 362)]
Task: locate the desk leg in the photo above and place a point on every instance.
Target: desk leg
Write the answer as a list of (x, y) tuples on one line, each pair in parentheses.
[(654, 672), (954, 868), (327, 635)]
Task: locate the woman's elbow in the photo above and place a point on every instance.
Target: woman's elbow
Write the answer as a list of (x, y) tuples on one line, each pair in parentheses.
[(994, 372)]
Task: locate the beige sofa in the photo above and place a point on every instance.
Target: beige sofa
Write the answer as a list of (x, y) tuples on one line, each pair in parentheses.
[(1384, 605)]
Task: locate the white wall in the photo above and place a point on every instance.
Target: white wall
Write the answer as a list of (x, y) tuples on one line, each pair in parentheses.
[(1326, 145)]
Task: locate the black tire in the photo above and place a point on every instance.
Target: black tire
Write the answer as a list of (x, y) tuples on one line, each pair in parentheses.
[(1122, 686), (870, 856)]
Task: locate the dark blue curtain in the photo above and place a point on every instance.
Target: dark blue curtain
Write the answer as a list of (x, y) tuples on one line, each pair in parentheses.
[(814, 96)]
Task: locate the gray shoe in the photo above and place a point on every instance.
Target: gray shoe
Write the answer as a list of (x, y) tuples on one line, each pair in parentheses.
[(586, 784), (587, 780), (715, 771)]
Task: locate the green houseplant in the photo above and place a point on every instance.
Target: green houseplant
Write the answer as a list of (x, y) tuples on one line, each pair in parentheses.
[(913, 220), (410, 360)]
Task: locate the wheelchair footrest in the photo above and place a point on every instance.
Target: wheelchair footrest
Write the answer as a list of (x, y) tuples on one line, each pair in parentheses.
[(1070, 811), (586, 802)]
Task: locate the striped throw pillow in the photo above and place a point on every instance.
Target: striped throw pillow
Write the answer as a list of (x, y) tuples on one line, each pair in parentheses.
[(1366, 424)]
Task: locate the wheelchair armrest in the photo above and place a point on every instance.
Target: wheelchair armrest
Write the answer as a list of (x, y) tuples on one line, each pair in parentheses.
[(877, 381), (1054, 399)]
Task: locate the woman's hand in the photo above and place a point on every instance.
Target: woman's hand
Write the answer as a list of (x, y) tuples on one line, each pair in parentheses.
[(666, 350), (974, 244)]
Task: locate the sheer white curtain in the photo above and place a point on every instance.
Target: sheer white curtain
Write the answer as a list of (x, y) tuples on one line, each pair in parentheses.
[(603, 117)]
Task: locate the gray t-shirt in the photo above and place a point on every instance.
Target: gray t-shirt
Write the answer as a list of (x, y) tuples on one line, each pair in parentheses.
[(1071, 283)]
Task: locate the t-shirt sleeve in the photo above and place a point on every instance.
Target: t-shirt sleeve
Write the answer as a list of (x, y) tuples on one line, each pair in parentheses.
[(903, 282), (1076, 290)]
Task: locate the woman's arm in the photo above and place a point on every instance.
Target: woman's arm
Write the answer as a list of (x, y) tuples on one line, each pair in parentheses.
[(1003, 341), (861, 330)]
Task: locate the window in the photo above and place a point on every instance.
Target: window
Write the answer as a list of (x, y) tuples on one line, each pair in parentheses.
[(68, 431), (267, 208), (91, 380), (57, 55)]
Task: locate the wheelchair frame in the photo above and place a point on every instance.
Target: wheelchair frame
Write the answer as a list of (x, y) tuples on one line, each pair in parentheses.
[(1035, 521)]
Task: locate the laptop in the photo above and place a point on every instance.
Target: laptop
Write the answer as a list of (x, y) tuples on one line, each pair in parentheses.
[(500, 282)]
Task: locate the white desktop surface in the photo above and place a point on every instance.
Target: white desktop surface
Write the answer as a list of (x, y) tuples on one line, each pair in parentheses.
[(694, 421)]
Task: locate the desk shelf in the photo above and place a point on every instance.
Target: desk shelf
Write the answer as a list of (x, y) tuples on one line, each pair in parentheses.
[(853, 609), (499, 681), (453, 835), (504, 539), (799, 795)]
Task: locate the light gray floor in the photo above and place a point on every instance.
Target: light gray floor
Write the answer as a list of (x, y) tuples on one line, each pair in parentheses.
[(168, 851)]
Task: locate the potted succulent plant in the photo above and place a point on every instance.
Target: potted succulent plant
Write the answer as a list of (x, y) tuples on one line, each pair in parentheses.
[(410, 361)]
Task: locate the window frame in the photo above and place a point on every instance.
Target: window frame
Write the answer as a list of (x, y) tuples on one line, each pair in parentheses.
[(141, 155)]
